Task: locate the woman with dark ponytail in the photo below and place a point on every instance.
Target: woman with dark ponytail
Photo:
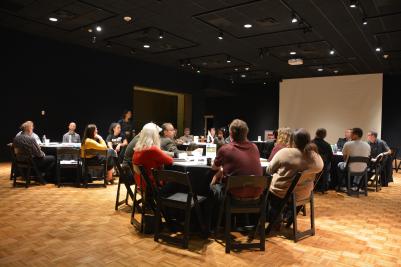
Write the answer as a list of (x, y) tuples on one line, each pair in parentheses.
[(303, 157)]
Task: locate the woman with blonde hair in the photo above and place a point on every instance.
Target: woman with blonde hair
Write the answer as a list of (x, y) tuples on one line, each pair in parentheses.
[(283, 140), (147, 151)]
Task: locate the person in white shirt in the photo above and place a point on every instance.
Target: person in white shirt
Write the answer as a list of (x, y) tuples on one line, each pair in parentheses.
[(354, 148), (29, 124)]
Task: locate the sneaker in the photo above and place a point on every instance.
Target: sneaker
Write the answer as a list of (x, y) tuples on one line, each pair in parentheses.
[(343, 189), (354, 188)]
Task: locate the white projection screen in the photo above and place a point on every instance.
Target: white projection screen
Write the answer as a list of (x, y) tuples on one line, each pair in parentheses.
[(335, 103)]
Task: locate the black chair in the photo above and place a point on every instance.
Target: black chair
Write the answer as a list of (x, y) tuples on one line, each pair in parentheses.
[(68, 158), (126, 177), (182, 201), (146, 204), (96, 169), (233, 205), (394, 158), (363, 184), (26, 167), (13, 167), (296, 205), (283, 203), (375, 173)]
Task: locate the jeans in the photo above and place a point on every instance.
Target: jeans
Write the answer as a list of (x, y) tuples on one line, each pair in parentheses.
[(342, 172), (46, 165)]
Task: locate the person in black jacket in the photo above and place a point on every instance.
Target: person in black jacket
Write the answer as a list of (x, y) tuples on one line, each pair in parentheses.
[(341, 141), (326, 153)]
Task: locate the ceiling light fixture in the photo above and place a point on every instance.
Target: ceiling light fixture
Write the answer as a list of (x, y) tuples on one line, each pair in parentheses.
[(332, 52), (90, 30), (247, 26), (98, 28), (228, 60), (243, 76), (53, 19), (378, 49), (386, 56), (246, 68), (335, 71), (364, 21), (198, 71), (236, 69), (127, 18), (353, 3), (261, 53), (264, 83), (220, 36), (146, 46), (293, 53), (294, 18), (108, 44), (320, 69), (161, 35)]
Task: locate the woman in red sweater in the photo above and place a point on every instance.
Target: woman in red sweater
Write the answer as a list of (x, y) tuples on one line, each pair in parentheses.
[(147, 152)]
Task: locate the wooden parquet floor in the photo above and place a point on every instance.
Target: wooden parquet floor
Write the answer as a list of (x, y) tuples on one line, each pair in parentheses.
[(50, 226)]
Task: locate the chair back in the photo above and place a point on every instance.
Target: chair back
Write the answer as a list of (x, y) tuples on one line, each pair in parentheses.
[(358, 159), (70, 153), (22, 156), (168, 176), (94, 152), (126, 175)]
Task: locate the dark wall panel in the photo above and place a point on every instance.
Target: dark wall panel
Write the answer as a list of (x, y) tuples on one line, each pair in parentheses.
[(391, 115), (257, 105)]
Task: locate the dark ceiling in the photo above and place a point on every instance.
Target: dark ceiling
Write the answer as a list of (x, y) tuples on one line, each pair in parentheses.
[(190, 30)]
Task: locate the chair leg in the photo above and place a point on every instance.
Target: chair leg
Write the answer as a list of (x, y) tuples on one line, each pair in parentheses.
[(186, 227), (157, 223), (118, 195), (262, 229), (366, 184), (200, 219), (312, 214), (227, 228), (294, 216), (348, 185), (28, 178), (304, 210), (126, 198), (58, 175), (398, 166)]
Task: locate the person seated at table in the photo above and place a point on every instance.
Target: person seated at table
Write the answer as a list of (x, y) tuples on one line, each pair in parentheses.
[(147, 152), (127, 125), (211, 134), (240, 157), (326, 153), (283, 140), (26, 142), (167, 141), (354, 148), (341, 141), (34, 135), (116, 140), (270, 143), (379, 147), (92, 140), (187, 137), (301, 156), (219, 139), (71, 136)]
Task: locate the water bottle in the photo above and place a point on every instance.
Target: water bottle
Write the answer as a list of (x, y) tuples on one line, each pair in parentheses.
[(44, 139), (69, 138)]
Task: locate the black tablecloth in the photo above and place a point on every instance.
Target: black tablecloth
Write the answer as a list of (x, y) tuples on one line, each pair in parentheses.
[(199, 175)]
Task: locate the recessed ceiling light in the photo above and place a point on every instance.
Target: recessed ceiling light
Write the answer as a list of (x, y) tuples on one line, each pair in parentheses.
[(353, 3), (320, 69), (364, 21), (236, 69), (146, 46), (243, 75), (294, 18), (293, 53), (127, 18), (161, 35), (220, 36), (386, 56), (90, 30), (264, 83), (247, 26), (98, 28), (53, 19), (246, 68), (198, 71), (378, 49), (267, 73), (332, 52), (228, 60), (335, 71)]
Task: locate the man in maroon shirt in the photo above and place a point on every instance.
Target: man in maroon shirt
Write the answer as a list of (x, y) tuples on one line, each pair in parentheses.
[(240, 157)]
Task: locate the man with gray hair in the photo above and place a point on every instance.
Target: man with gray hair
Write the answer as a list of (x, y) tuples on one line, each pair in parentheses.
[(29, 124), (27, 143)]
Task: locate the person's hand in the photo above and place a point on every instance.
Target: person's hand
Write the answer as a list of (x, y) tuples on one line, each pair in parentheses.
[(98, 137), (118, 148)]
